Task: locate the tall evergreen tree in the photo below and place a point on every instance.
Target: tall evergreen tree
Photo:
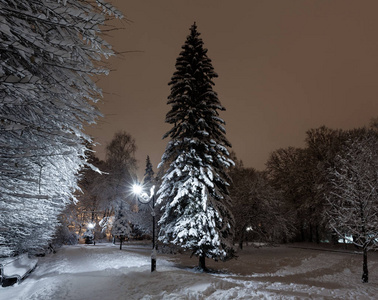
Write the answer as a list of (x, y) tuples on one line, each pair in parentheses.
[(149, 172), (194, 189)]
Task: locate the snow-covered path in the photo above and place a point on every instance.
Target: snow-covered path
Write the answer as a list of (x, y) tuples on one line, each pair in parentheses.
[(104, 272)]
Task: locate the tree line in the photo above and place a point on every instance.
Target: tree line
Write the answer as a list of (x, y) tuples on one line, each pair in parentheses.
[(307, 181), (323, 192)]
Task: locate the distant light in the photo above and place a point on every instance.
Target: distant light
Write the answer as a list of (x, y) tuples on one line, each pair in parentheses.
[(137, 189), (91, 226), (348, 239), (249, 228)]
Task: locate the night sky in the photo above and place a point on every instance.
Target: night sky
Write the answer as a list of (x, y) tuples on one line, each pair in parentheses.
[(284, 67)]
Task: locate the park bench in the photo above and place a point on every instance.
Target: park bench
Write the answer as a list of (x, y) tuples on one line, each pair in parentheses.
[(15, 269)]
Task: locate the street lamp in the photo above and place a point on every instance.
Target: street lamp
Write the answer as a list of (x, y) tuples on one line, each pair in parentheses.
[(144, 198)]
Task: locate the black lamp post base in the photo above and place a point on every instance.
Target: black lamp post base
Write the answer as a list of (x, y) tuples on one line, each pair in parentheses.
[(153, 264)]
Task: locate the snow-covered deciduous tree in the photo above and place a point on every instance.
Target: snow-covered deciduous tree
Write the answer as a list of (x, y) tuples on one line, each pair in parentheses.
[(89, 205), (120, 152), (194, 189), (323, 144), (48, 49), (116, 185), (353, 196), (120, 167), (289, 171), (259, 210)]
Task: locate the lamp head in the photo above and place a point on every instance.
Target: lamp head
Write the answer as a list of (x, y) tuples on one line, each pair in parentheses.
[(137, 189)]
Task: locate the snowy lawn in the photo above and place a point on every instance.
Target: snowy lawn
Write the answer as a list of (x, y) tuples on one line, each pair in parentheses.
[(105, 272)]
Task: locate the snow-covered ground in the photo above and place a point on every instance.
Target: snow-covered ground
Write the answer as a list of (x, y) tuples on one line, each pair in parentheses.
[(104, 272)]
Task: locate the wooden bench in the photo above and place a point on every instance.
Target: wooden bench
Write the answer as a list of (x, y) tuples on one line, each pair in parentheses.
[(15, 269)]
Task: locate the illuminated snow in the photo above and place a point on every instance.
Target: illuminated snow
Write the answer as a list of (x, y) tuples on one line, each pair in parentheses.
[(104, 272)]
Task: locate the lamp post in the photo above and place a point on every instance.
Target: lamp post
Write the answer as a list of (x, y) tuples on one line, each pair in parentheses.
[(144, 198)]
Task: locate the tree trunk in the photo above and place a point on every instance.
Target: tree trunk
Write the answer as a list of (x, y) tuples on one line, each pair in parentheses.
[(365, 272), (202, 263), (303, 236), (241, 239), (120, 243)]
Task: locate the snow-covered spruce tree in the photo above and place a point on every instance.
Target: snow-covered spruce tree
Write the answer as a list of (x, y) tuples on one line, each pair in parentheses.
[(353, 197), (194, 190), (121, 226), (47, 50)]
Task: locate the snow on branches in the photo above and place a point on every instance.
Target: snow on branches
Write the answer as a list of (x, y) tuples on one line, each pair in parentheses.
[(352, 200), (194, 190), (48, 49)]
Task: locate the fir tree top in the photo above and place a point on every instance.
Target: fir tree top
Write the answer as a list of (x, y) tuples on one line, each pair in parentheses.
[(195, 105), (149, 172)]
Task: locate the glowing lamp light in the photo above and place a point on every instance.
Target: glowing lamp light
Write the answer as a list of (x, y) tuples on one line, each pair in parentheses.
[(137, 189), (91, 226)]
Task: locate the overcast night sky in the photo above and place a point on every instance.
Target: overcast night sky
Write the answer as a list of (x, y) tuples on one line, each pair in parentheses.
[(284, 67)]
